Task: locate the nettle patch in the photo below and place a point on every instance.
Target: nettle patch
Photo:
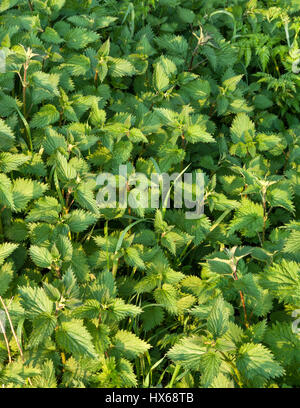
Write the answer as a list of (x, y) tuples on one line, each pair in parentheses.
[(126, 297)]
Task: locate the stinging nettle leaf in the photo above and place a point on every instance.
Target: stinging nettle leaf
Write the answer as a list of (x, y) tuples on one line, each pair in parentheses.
[(74, 338), (129, 345), (41, 256)]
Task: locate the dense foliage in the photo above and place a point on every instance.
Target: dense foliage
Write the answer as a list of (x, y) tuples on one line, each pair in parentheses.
[(141, 297)]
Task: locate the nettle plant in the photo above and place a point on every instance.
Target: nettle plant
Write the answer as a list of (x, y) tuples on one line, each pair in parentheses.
[(117, 297)]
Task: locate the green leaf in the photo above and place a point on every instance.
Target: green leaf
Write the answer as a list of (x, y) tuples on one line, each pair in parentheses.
[(185, 14), (222, 381), (51, 36), (6, 276), (292, 245), (197, 133), (280, 195), (167, 116), (242, 129), (85, 196), (54, 141), (133, 258), (47, 115), (283, 280), (47, 377), (7, 136), (152, 317), (79, 263), (6, 196), (35, 301), (160, 78), (78, 65), (45, 86), (198, 90), (217, 322), (283, 342), (74, 338), (167, 297), (230, 84), (6, 249), (65, 170), (78, 38), (41, 256), (248, 219), (46, 209), (25, 190), (255, 360), (10, 162), (188, 352), (210, 363), (7, 4), (43, 327), (129, 345), (89, 310), (119, 67), (80, 220), (118, 310)]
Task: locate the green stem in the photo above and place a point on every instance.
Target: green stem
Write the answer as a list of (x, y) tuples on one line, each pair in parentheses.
[(27, 128), (106, 243), (115, 267), (237, 377), (174, 376), (265, 216)]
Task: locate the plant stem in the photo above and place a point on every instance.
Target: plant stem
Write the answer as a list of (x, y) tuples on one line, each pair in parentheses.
[(12, 327), (236, 372), (106, 243), (244, 307), (6, 341), (96, 78), (30, 5), (24, 88), (174, 376), (115, 268), (265, 215), (14, 333), (235, 277), (27, 128)]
